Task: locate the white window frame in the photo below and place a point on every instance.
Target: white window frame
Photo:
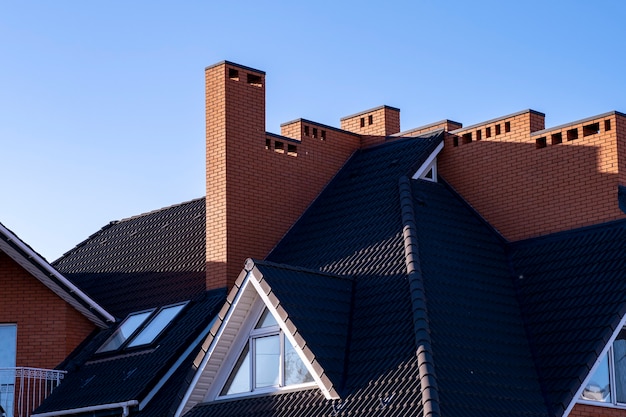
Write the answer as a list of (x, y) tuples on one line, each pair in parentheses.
[(247, 335)]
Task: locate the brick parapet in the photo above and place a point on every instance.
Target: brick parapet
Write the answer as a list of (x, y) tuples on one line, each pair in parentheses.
[(377, 122), (524, 185), (446, 125)]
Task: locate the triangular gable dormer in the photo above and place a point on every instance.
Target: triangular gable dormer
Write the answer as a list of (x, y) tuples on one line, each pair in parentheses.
[(291, 312), (605, 384), (428, 170)]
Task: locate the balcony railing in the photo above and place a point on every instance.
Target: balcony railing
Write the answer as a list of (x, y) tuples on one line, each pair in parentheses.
[(23, 389)]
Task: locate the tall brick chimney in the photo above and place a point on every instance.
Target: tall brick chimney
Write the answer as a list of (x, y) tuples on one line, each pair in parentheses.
[(258, 183)]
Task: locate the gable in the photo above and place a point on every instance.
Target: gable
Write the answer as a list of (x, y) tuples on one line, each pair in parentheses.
[(39, 269), (264, 286)]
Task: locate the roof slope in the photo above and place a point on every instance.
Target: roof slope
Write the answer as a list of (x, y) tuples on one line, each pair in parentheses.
[(143, 261), (354, 229), (96, 379), (318, 307), (482, 358), (572, 290)]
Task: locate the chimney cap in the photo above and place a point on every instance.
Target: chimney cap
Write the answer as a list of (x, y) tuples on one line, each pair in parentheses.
[(233, 64)]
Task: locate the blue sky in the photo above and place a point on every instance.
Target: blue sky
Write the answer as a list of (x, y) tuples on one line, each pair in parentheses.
[(102, 103)]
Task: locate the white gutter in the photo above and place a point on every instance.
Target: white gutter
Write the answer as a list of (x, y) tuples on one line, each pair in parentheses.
[(123, 405), (74, 289)]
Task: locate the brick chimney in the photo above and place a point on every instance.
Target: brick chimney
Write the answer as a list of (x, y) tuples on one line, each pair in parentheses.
[(257, 183)]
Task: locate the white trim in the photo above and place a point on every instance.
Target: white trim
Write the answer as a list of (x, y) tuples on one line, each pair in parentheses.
[(174, 367), (289, 336), (424, 168), (44, 264), (123, 405), (579, 392), (211, 348)]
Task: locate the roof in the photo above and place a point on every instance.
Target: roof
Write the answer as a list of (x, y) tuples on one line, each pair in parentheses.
[(101, 379), (353, 229), (573, 296), (143, 261), (434, 312), (39, 268)]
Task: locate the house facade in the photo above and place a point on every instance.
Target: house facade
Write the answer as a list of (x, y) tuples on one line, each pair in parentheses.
[(365, 270), (43, 318)]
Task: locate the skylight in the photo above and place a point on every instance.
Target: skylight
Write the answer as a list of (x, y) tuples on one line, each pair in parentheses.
[(141, 328)]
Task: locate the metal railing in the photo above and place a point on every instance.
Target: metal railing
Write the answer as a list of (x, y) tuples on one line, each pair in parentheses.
[(23, 389)]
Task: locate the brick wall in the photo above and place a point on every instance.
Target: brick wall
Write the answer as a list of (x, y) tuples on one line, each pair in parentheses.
[(373, 125), (48, 328), (584, 410), (258, 184), (527, 181), (446, 125)]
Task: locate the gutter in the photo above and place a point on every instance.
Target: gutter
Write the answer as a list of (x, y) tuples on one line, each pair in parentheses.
[(50, 270), (430, 396), (125, 406)]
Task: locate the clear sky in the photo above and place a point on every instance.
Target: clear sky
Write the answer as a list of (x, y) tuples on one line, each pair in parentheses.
[(102, 103)]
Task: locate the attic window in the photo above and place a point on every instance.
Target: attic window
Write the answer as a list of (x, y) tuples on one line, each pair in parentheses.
[(556, 138), (323, 135), (488, 132), (370, 119), (267, 362), (141, 328), (497, 129), (606, 385), (467, 138), (362, 121), (507, 127), (233, 74), (292, 150), (607, 125)]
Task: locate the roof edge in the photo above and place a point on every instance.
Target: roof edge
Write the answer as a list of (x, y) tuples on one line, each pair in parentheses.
[(428, 381), (124, 405), (64, 284)]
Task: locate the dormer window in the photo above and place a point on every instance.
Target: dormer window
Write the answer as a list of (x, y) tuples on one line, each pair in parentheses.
[(267, 362), (608, 382), (142, 328)]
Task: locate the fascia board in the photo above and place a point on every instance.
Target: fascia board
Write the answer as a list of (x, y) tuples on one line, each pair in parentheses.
[(327, 389), (209, 352), (47, 275), (422, 169)]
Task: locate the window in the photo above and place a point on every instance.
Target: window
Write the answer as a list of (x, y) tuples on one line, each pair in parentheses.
[(608, 383), (8, 343), (141, 328), (267, 362)]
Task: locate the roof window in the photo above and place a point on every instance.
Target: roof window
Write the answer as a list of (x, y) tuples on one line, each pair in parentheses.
[(142, 328), (606, 385), (267, 362)]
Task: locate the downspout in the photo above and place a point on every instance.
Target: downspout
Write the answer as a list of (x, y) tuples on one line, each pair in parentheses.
[(125, 406), (428, 381)]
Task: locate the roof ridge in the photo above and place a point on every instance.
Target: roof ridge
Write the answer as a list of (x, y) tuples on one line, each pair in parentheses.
[(428, 381), (156, 211), (251, 262), (430, 396)]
